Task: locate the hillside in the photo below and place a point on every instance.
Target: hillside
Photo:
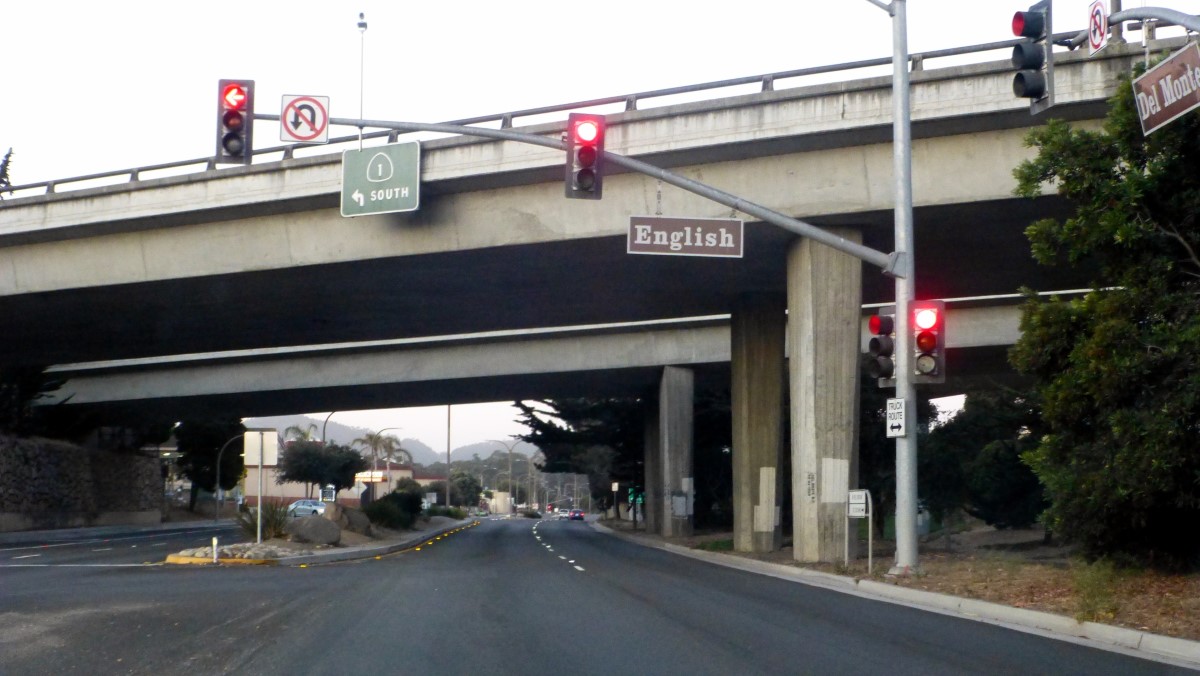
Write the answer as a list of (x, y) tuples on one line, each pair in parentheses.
[(422, 453)]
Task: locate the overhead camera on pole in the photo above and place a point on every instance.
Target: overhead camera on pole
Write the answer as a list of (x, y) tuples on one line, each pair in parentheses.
[(1033, 57)]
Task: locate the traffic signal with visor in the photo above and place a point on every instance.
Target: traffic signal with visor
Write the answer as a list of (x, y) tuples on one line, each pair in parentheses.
[(235, 121), (1033, 57), (585, 156), (880, 362), (927, 324)]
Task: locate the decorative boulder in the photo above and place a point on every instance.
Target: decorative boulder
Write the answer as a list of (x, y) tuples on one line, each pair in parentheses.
[(334, 512), (316, 530), (356, 521)]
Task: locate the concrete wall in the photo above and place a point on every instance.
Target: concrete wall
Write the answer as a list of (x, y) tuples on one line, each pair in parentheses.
[(53, 484)]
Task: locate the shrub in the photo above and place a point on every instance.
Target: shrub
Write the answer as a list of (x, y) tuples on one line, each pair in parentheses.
[(274, 521), (452, 512), (398, 509)]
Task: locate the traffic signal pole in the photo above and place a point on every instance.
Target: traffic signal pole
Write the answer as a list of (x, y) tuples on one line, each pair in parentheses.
[(906, 446), (887, 262)]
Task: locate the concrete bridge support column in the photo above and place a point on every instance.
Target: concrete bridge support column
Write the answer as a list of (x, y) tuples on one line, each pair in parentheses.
[(676, 403), (824, 301), (652, 469), (756, 392)]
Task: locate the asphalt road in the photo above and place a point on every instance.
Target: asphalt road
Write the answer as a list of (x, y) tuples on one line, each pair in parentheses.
[(506, 597), (101, 547)]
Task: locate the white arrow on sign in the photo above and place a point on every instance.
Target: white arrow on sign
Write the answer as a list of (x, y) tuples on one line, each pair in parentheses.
[(358, 197)]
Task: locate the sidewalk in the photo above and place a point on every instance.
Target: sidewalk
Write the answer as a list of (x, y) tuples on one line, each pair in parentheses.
[(1176, 651)]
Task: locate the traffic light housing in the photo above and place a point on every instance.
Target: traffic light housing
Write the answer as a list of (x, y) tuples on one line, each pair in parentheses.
[(585, 156), (1033, 57), (235, 121), (927, 324), (880, 362)]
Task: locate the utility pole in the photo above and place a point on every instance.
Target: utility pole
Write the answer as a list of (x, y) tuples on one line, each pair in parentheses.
[(512, 498), (905, 285)]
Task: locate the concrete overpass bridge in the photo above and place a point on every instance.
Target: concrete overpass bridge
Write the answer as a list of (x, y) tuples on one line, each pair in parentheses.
[(257, 258)]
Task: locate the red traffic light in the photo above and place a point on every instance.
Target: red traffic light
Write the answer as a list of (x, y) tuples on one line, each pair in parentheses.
[(1029, 24), (928, 337), (925, 318), (235, 121), (881, 325), (234, 96), (585, 156), (587, 131)]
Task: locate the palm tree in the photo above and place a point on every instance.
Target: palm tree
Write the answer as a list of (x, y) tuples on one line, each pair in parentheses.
[(398, 455), (378, 444), (300, 433)]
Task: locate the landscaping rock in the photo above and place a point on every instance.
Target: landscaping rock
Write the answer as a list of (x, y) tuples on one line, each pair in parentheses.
[(357, 521), (315, 530)]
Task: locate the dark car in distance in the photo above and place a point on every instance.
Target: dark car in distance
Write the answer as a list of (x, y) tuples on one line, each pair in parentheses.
[(575, 515)]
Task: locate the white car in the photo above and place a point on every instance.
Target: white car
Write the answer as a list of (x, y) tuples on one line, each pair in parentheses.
[(306, 508), (561, 513)]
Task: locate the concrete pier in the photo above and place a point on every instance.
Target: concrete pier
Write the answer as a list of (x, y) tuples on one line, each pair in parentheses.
[(824, 297), (757, 384)]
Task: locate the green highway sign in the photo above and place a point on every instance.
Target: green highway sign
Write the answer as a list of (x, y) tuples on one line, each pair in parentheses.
[(381, 180)]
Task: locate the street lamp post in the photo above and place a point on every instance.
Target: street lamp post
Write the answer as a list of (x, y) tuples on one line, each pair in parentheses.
[(324, 425), (510, 447)]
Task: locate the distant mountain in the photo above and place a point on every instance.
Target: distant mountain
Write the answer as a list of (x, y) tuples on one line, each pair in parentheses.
[(422, 454), (485, 449)]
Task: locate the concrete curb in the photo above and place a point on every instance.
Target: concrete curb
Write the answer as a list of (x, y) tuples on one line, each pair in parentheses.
[(176, 559), (1152, 646), (333, 555)]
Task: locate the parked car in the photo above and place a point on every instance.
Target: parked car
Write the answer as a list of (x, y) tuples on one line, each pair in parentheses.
[(306, 508), (575, 515)]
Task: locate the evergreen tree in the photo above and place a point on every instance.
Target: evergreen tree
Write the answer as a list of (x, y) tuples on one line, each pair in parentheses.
[(1118, 370)]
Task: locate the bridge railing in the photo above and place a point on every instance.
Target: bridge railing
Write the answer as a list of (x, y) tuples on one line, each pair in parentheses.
[(766, 82)]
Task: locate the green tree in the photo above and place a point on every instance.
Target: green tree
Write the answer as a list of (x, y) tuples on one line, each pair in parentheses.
[(1117, 370), (973, 461), (465, 489), (5, 181), (199, 443), (313, 463)]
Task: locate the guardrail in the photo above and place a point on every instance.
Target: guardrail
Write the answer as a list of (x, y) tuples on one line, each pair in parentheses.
[(505, 120)]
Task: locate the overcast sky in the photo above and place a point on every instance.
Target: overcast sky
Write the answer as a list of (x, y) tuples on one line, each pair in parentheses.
[(90, 87)]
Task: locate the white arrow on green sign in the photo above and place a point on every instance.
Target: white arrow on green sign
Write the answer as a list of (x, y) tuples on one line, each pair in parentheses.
[(381, 180)]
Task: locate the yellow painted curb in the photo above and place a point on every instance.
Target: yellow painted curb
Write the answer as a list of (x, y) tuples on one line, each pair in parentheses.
[(200, 561)]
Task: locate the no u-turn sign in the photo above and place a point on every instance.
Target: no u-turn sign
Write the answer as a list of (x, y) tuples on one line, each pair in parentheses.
[(304, 119)]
